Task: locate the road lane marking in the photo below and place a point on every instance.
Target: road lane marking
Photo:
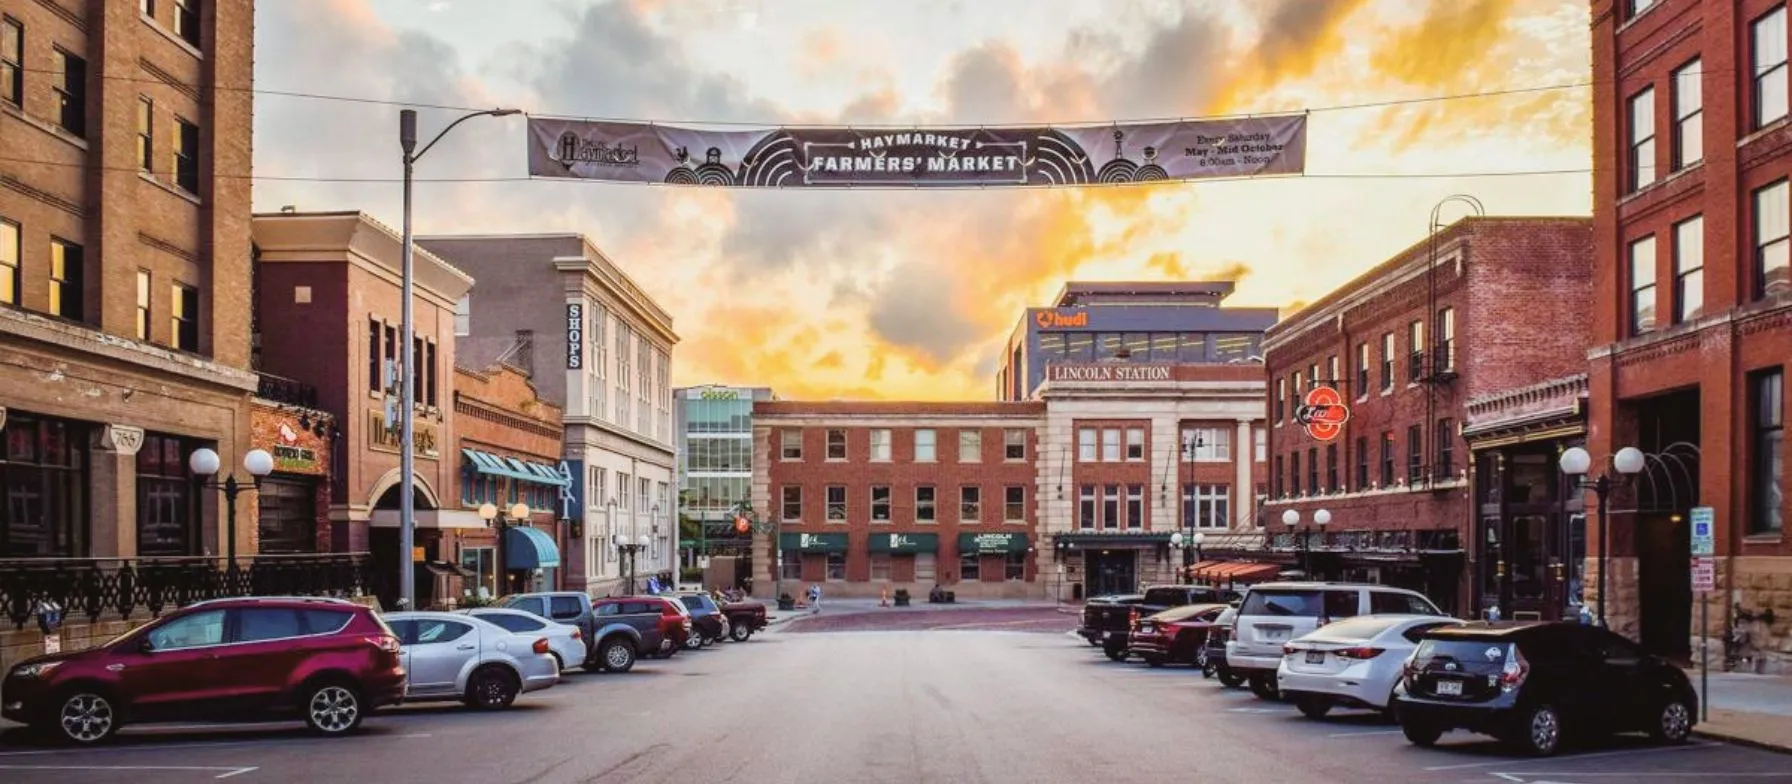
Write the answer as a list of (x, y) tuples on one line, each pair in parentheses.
[(1467, 765), (154, 747), (237, 772), (226, 771), (1364, 733)]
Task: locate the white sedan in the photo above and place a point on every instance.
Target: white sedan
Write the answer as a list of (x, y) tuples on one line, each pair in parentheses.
[(565, 641), (1353, 663)]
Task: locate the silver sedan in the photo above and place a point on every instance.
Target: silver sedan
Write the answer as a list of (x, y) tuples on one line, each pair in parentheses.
[(450, 656), (565, 641)]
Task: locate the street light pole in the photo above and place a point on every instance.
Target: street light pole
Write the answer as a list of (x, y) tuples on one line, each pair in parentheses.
[(204, 463), (1628, 462), (407, 507)]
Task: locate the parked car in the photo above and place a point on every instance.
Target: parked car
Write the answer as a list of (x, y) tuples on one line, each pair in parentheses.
[(1213, 659), (708, 623), (331, 663), (1532, 684), (451, 656), (566, 642), (1174, 636), (1108, 623), (618, 630), (745, 616), (675, 627), (1272, 614), (1353, 663)]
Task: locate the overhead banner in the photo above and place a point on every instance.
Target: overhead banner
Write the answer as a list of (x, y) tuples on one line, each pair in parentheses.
[(920, 158)]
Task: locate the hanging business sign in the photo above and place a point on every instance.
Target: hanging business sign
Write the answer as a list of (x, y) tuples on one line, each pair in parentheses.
[(575, 336), (943, 157), (1323, 414)]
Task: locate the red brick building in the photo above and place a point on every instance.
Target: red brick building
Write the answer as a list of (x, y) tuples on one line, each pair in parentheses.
[(1477, 307), (1693, 308), (509, 443), (875, 496)]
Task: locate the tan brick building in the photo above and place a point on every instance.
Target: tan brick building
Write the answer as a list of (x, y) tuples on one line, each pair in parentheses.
[(124, 273), (509, 441)]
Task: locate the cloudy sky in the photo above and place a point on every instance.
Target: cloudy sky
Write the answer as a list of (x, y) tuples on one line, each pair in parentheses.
[(895, 294)]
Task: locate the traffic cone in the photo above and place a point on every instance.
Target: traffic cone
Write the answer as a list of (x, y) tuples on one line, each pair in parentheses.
[(883, 597)]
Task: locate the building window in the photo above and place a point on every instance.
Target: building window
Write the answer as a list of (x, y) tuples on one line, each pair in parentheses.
[(71, 93), (1362, 463), (1767, 440), (429, 374), (970, 567), (1261, 437), (1207, 444), (1085, 511), (1300, 386), (1110, 445), (792, 511), (880, 566), (1689, 116), (1333, 377), (143, 285), (924, 504), (9, 262), (1767, 57), (1635, 8), (1331, 468), (1689, 269), (1415, 340), (836, 444), (1446, 340), (1281, 400), (463, 316), (146, 134), (790, 443), (186, 20), (66, 289), (1135, 443), (880, 503), (167, 519), (1206, 506), (1642, 139), (286, 512), (12, 59), (1387, 362), (1313, 471), (1276, 476), (1415, 454), (184, 317), (1772, 215), (970, 504), (1110, 506), (186, 156), (836, 567), (1446, 448), (836, 503), (924, 446), (1294, 472), (1135, 507), (880, 446), (1387, 458), (1362, 369), (1014, 504), (1015, 567), (43, 486), (1642, 285), (1014, 444), (790, 564), (1085, 445)]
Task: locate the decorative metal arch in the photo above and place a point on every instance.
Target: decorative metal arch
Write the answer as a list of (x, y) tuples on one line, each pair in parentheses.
[(1669, 481)]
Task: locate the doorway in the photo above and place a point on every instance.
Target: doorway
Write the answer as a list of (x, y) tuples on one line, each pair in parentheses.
[(1661, 499), (1112, 571)]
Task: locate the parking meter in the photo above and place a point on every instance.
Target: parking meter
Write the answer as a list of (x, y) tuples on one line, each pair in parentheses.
[(49, 617)]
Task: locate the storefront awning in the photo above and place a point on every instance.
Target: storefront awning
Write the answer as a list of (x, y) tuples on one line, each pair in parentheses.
[(529, 548), (1007, 542), (813, 543), (549, 474), (903, 543), (1235, 571), (495, 465)]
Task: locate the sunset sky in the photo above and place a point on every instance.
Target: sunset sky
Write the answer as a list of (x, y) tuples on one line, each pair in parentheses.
[(894, 294)]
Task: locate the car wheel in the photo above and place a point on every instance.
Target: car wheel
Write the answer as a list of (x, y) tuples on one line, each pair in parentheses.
[(1264, 686), (617, 654), (492, 688), (666, 649), (1314, 707), (1230, 679), (1421, 734), (1116, 654), (333, 708), (740, 632), (559, 663), (1673, 724), (1540, 733), (86, 718)]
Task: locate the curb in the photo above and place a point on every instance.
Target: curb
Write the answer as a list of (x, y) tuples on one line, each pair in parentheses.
[(1724, 737)]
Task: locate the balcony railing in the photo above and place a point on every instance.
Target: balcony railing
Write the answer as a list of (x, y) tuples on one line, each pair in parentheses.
[(286, 390), (97, 588)]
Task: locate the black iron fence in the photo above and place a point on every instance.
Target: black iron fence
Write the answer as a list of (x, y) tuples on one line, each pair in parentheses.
[(285, 390), (96, 588)]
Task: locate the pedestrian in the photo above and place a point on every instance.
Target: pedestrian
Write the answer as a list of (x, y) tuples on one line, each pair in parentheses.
[(815, 598)]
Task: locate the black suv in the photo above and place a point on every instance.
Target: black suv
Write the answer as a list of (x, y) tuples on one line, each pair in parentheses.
[(1532, 684)]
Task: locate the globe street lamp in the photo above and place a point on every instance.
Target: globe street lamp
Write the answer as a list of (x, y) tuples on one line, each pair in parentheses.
[(1193, 548), (1627, 462), (1321, 518), (518, 513), (204, 463)]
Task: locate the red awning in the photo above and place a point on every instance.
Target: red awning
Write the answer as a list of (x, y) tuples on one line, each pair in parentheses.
[(1234, 571)]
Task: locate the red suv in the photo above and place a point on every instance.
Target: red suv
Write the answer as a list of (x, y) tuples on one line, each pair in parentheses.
[(675, 627), (327, 660)]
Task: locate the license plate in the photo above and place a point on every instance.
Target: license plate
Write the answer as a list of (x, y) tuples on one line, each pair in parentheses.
[(1147, 628), (1449, 688), (1272, 633), (1315, 657)]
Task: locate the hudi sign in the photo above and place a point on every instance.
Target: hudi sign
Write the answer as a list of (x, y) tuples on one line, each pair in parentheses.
[(1113, 372), (1051, 319)]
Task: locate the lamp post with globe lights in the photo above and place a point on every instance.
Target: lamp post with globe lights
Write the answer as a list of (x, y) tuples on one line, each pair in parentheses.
[(517, 513), (1193, 548), (631, 552), (1626, 463), (1321, 518), (204, 464)]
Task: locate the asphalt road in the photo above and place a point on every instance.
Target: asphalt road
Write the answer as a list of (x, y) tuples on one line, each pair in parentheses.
[(950, 704)]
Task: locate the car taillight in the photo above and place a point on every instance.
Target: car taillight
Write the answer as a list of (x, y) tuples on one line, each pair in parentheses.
[(1513, 674), (387, 643), (541, 645), (1133, 617), (1289, 650), (578, 635), (1358, 653)]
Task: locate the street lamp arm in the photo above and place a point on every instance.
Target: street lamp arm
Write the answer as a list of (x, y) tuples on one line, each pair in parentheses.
[(462, 119)]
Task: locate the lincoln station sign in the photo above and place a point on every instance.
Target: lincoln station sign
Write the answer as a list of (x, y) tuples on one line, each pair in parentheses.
[(1109, 372)]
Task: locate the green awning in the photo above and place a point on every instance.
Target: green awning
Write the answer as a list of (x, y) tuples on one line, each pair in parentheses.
[(491, 465), (549, 474), (1015, 542), (530, 548), (903, 543), (813, 543)]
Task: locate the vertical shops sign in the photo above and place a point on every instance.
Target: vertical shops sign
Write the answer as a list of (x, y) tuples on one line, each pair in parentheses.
[(575, 336)]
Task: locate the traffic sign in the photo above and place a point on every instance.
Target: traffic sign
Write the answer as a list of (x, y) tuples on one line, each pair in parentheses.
[(1704, 574), (1704, 540)]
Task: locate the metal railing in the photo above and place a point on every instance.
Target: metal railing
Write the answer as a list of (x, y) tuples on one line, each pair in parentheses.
[(285, 390), (96, 588)]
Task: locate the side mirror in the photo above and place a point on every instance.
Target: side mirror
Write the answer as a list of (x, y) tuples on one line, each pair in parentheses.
[(144, 645)]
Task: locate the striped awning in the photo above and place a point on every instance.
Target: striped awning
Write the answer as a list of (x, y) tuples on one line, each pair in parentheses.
[(513, 468)]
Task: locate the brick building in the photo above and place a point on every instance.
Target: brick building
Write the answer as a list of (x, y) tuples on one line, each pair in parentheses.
[(875, 496), (124, 274), (1476, 308), (1693, 310), (292, 505), (509, 440), (328, 317)]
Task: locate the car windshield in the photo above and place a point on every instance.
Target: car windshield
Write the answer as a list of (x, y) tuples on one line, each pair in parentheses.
[(1287, 602)]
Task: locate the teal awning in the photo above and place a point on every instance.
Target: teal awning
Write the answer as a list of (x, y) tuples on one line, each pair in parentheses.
[(529, 548), (494, 465), (549, 475)]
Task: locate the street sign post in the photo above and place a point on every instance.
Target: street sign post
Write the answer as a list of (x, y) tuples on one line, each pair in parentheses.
[(1704, 581), (1704, 540)]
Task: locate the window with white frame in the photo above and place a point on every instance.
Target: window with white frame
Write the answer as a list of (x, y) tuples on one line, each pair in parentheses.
[(1085, 511), (925, 499), (1642, 285), (880, 446), (1773, 222), (790, 443), (792, 509), (1135, 507), (924, 446), (1014, 444), (970, 504), (1689, 269), (880, 566), (1110, 506), (1262, 445), (1642, 139), (1207, 444), (1014, 504), (1135, 443), (1207, 505), (836, 444), (1767, 61), (836, 503), (880, 503), (1110, 445), (1085, 445), (970, 446), (1689, 116)]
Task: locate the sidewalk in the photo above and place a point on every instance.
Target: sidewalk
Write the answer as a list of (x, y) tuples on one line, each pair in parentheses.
[(1751, 709), (837, 607)]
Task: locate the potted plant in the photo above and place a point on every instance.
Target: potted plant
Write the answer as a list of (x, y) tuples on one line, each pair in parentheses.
[(901, 597), (786, 602)]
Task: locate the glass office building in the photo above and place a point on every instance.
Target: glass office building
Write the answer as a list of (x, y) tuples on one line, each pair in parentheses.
[(715, 462)]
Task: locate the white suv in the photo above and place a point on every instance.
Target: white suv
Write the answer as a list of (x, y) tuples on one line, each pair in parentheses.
[(1275, 613)]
